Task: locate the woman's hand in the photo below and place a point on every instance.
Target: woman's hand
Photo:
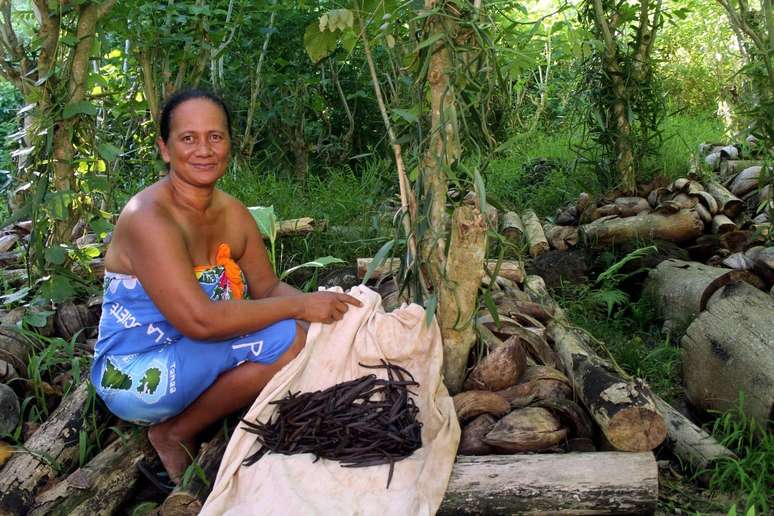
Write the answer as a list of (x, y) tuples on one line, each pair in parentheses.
[(325, 307)]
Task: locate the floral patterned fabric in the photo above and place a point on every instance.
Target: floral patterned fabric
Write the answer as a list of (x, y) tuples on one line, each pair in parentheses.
[(146, 370)]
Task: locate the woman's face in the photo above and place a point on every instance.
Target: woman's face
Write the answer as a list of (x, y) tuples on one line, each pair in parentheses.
[(198, 146)]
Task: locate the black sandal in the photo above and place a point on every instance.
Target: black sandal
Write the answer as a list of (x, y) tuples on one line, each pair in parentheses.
[(158, 477)]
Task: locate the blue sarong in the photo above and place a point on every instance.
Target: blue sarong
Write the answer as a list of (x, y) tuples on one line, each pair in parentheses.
[(146, 371)]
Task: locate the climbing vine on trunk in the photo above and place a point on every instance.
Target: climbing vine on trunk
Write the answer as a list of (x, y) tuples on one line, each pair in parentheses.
[(625, 106)]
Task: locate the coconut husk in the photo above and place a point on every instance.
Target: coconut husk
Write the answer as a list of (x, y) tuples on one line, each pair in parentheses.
[(571, 414), (722, 224), (71, 320), (499, 369), (706, 200), (472, 437), (469, 404), (538, 383), (526, 430), (630, 206), (704, 213)]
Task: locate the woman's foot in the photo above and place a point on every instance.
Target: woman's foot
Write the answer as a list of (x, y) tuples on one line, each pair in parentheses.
[(175, 453)]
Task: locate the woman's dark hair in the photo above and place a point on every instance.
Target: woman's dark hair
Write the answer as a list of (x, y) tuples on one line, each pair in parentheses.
[(187, 94)]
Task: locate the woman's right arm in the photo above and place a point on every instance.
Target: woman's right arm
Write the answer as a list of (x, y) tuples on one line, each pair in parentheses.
[(159, 257)]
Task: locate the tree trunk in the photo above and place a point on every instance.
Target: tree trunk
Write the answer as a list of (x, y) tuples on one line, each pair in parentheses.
[(729, 350), (624, 410), (188, 500), (55, 442), (458, 292), (100, 486), (443, 148), (573, 483), (678, 227), (680, 290)]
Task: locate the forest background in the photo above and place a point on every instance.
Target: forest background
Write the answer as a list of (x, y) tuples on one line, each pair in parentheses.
[(548, 104)]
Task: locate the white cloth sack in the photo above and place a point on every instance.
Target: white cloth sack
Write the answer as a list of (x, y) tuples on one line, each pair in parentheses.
[(293, 484)]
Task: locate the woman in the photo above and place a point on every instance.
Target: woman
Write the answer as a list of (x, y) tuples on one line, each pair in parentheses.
[(180, 343)]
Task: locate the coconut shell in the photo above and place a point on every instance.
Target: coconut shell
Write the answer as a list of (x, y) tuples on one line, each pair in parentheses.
[(471, 440), (469, 404), (526, 430), (501, 368)]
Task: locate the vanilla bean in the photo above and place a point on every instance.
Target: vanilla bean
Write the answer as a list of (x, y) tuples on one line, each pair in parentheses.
[(367, 421)]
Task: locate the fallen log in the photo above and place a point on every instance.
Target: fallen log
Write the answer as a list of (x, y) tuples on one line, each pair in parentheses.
[(573, 483), (7, 242), (624, 410), (512, 270), (188, 500), (678, 227), (55, 443), (536, 238), (302, 226), (100, 486), (680, 290), (512, 227), (689, 442), (729, 349), (728, 204)]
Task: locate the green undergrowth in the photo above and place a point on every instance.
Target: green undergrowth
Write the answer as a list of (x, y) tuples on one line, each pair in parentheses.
[(540, 171), (357, 207)]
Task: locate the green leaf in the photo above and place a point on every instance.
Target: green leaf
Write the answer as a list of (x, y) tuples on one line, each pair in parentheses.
[(37, 319), (314, 264), (14, 297), (348, 40), (478, 184), (108, 151), (379, 258), (319, 44), (58, 288), (430, 306), (100, 226), (56, 255), (409, 115), (491, 306), (429, 41), (69, 39), (266, 219), (83, 107)]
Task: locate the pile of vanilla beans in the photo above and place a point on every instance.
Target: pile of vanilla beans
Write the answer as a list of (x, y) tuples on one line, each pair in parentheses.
[(363, 422)]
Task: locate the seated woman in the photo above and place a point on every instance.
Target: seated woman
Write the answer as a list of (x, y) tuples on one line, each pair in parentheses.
[(194, 321)]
